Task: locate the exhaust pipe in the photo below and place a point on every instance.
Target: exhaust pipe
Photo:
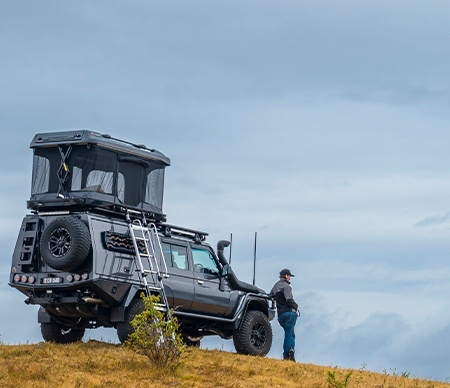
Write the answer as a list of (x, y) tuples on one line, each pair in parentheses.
[(90, 300)]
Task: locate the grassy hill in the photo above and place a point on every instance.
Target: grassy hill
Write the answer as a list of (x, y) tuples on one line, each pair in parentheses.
[(98, 364)]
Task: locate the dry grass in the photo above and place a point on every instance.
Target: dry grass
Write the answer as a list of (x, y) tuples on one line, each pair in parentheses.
[(98, 364)]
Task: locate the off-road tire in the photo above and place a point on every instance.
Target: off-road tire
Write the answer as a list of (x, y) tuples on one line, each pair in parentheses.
[(254, 336), (125, 328), (191, 343), (65, 243), (54, 332)]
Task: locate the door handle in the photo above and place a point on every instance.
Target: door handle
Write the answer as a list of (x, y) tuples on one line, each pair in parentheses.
[(200, 281)]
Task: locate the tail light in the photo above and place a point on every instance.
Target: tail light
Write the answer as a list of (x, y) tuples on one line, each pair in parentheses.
[(77, 277), (24, 279)]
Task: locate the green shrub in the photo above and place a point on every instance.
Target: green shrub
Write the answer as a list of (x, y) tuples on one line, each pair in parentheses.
[(333, 381), (155, 336)]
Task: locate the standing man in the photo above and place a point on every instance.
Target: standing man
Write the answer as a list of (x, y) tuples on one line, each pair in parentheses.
[(287, 310)]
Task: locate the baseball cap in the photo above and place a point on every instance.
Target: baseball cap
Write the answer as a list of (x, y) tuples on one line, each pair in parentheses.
[(285, 272)]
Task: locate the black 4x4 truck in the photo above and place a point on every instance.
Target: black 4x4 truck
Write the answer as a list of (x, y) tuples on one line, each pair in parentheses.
[(96, 238)]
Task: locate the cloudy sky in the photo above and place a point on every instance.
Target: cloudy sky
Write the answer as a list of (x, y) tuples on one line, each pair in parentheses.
[(321, 125)]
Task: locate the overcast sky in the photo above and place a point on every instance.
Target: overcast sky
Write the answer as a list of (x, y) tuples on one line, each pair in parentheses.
[(321, 125)]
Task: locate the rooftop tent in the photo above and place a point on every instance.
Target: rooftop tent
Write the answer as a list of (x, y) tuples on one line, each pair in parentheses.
[(87, 168)]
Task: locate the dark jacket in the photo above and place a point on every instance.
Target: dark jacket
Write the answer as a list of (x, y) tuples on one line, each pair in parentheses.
[(282, 293)]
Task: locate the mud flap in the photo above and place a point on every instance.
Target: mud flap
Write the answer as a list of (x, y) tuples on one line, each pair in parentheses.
[(43, 316), (118, 312)]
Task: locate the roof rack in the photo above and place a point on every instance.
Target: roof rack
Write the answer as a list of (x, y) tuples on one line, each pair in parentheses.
[(168, 230), (180, 232)]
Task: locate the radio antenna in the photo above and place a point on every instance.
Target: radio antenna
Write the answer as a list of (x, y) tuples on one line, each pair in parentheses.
[(231, 246), (254, 260)]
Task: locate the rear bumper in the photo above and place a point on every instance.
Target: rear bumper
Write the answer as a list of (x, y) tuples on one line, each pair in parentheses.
[(104, 291)]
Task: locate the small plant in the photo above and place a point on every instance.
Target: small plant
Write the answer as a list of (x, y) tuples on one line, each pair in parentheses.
[(359, 380), (155, 336), (405, 374), (333, 382)]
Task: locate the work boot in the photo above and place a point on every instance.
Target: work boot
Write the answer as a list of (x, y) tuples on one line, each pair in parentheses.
[(291, 355)]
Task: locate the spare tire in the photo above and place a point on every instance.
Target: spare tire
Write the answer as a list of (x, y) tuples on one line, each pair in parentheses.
[(65, 243)]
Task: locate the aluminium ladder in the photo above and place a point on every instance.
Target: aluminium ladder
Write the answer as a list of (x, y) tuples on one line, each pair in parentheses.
[(147, 248)]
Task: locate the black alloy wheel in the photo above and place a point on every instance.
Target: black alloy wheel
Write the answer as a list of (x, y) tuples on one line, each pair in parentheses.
[(254, 336), (65, 243)]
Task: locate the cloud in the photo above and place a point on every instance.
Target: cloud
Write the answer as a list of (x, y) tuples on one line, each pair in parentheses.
[(434, 220), (425, 350), (384, 342), (323, 127)]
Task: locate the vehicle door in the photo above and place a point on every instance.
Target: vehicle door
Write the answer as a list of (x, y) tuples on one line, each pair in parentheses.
[(209, 299), (179, 286)]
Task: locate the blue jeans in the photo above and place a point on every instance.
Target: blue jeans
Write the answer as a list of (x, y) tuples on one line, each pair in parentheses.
[(287, 321)]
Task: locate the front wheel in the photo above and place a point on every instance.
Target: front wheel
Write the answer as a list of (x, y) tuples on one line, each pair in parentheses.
[(254, 337), (55, 332)]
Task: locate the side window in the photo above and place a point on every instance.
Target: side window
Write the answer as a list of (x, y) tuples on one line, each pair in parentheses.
[(76, 178), (120, 187), (41, 175), (175, 256), (97, 180), (155, 185), (204, 261), (101, 181)]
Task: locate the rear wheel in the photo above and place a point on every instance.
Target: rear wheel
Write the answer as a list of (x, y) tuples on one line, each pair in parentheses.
[(125, 328), (254, 336), (193, 342), (55, 332)]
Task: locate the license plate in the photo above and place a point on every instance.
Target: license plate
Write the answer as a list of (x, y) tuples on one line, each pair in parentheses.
[(51, 280)]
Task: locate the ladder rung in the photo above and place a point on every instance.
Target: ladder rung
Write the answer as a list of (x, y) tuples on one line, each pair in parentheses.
[(149, 271), (153, 288)]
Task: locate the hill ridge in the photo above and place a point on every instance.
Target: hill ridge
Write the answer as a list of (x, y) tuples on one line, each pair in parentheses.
[(100, 364)]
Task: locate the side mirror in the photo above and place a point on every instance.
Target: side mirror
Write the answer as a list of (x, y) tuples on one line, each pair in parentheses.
[(225, 270)]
